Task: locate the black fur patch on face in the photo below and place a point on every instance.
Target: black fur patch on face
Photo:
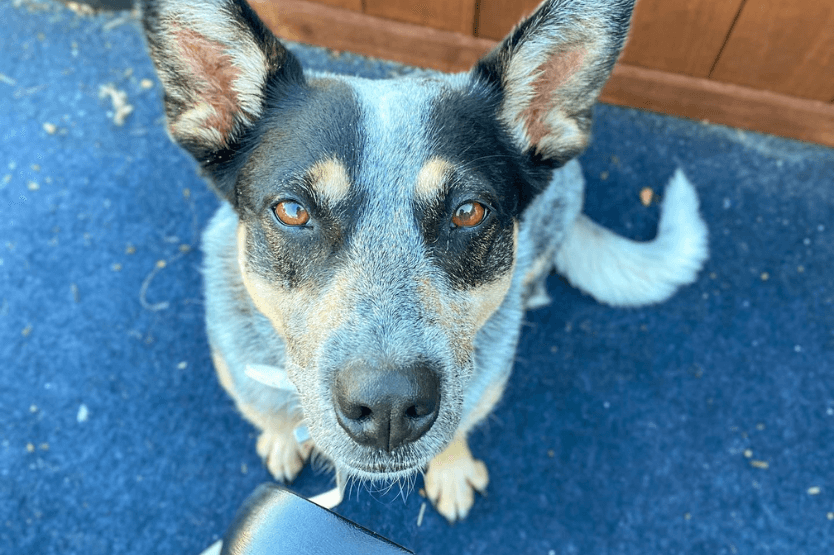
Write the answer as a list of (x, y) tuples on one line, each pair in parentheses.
[(319, 122), (487, 168)]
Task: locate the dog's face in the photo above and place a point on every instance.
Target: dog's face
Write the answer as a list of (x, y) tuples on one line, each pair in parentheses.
[(378, 243), (379, 219)]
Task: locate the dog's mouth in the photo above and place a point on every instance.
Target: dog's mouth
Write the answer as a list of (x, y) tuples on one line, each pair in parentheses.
[(378, 470), (372, 464)]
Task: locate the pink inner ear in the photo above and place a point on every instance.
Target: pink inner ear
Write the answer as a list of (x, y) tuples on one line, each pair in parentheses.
[(213, 75), (559, 68)]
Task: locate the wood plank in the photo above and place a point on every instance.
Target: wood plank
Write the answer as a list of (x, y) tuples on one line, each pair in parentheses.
[(353, 5), (785, 46), (681, 37), (726, 104), (339, 29), (457, 16), (496, 18), (647, 89)]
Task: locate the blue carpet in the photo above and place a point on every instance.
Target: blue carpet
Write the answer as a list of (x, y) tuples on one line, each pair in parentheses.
[(701, 426)]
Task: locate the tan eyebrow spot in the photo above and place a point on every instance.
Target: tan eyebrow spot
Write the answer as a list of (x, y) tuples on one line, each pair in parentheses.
[(432, 179), (330, 179)]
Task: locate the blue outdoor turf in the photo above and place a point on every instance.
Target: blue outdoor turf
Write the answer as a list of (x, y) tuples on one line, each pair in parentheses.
[(704, 425)]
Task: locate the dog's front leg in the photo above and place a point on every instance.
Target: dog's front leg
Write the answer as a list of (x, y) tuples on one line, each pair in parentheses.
[(281, 452), (452, 479), (453, 476)]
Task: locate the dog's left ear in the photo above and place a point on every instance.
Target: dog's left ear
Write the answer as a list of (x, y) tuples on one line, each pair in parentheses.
[(550, 70)]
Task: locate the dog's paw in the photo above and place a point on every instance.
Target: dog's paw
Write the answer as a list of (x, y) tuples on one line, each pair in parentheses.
[(283, 455), (452, 479)]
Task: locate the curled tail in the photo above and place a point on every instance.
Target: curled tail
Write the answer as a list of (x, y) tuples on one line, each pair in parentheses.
[(622, 272)]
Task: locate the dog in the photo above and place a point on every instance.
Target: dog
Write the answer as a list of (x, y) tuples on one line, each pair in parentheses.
[(379, 240)]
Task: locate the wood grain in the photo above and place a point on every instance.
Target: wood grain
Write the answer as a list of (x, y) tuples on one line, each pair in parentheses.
[(680, 36), (353, 5), (496, 18), (339, 29), (447, 15), (643, 88), (726, 104), (785, 46)]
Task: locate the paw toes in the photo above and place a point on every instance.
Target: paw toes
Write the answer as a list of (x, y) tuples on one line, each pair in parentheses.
[(264, 445), (451, 487), (284, 464), (457, 505), (283, 456), (479, 477)]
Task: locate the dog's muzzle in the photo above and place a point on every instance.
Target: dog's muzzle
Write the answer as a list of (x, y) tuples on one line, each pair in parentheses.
[(386, 408)]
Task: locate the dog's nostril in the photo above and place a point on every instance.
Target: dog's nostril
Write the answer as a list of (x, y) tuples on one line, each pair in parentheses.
[(419, 411), (355, 412)]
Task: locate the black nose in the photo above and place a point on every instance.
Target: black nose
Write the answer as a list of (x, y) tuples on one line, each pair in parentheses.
[(386, 408)]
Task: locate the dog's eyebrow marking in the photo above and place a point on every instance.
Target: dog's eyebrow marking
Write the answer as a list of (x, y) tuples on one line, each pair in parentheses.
[(329, 178), (433, 179)]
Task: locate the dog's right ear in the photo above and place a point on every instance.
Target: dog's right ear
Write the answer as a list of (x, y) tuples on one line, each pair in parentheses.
[(216, 61)]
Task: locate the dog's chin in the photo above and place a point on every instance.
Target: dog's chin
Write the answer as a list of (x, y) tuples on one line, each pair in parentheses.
[(380, 466), (383, 472)]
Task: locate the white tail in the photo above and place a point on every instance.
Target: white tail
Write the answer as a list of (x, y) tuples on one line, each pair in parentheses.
[(622, 272)]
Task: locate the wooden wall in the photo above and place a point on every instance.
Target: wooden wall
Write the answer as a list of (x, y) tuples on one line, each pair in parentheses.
[(766, 65)]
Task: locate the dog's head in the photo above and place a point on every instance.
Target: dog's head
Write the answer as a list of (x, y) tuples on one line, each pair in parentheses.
[(379, 219)]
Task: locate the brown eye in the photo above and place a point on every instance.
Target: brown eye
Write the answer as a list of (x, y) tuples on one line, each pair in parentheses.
[(291, 213), (469, 214)]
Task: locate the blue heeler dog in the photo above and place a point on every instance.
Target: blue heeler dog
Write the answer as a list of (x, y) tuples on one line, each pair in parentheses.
[(379, 240)]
